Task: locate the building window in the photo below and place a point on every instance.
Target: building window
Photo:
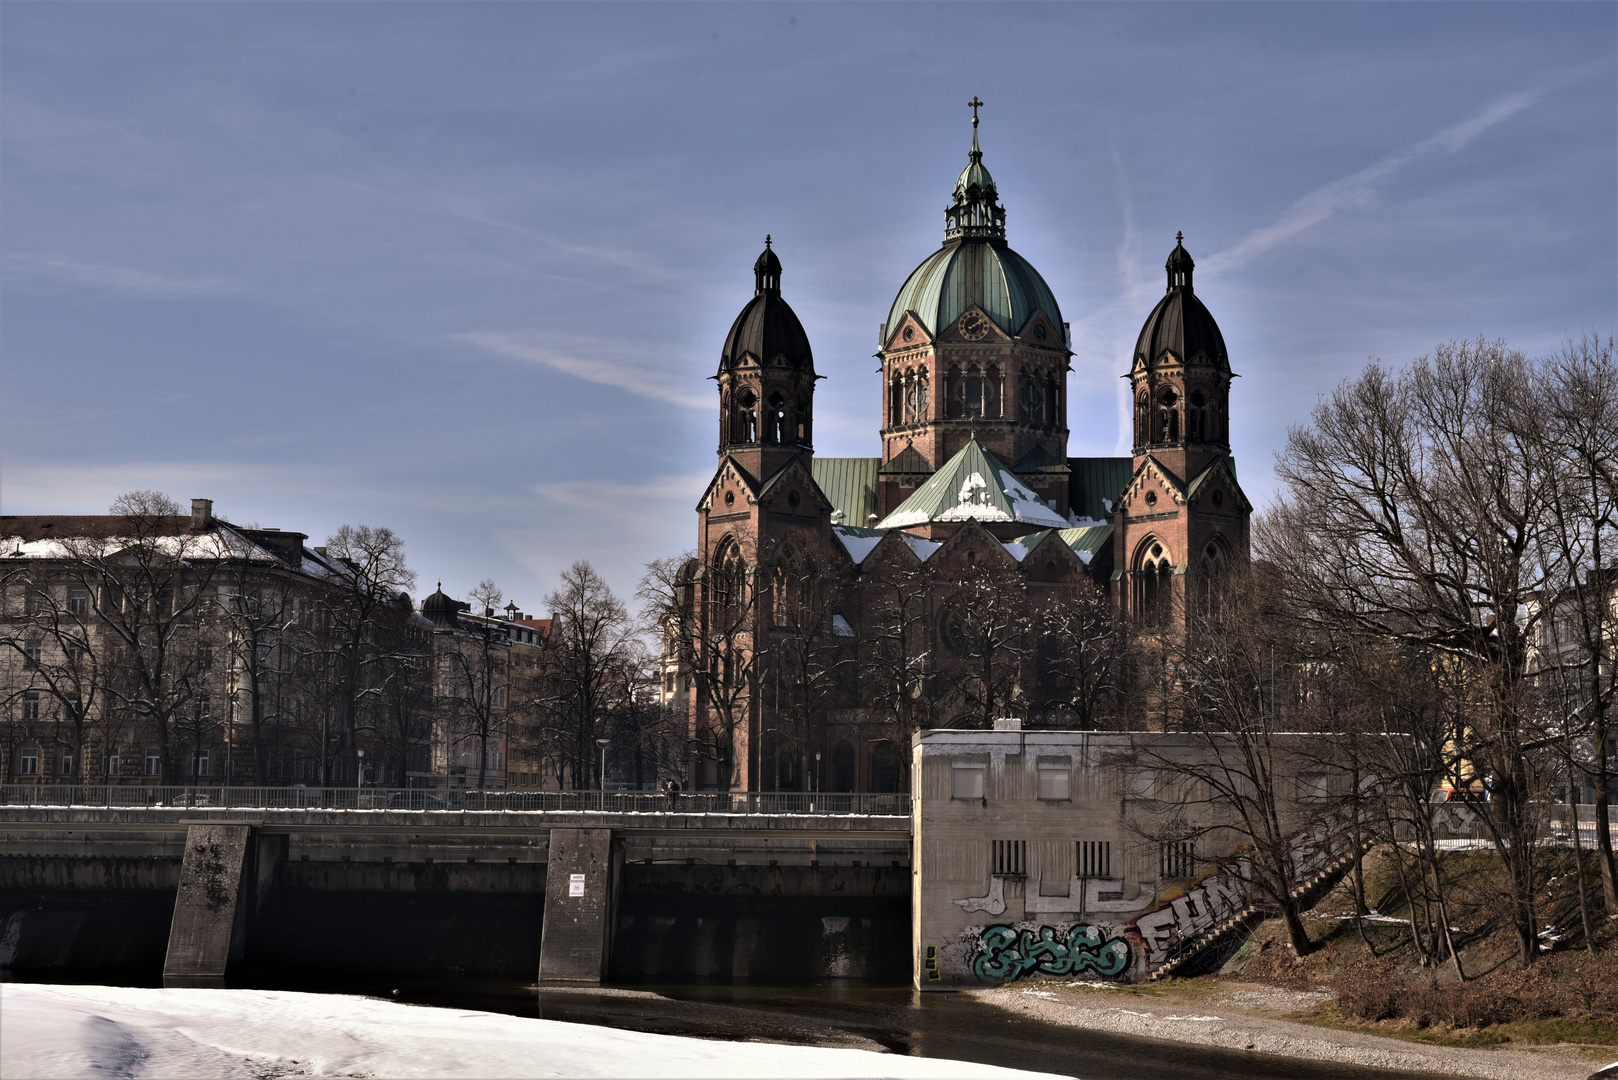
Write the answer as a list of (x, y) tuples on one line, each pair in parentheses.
[(78, 601), (968, 781), (154, 763), (28, 761), (64, 764), (1010, 858), (1314, 787), (1177, 859), (200, 763), (30, 654), (1055, 782), (30, 705), (1093, 858), (109, 763)]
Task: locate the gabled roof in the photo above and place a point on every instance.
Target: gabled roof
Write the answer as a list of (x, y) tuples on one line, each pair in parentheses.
[(1085, 542), (908, 460), (850, 485), (1040, 459), (974, 485)]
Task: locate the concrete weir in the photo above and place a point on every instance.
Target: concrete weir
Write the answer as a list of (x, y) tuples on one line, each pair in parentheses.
[(565, 896)]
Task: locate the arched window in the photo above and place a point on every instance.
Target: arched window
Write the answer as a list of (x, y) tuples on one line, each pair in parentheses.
[(728, 579), (1154, 584), (916, 398), (1211, 566), (955, 392), (886, 772), (744, 428), (896, 395), (842, 768), (1197, 421), (994, 393), (1052, 397), (1168, 410), (1032, 399), (973, 388), (803, 419), (1143, 416), (775, 421)]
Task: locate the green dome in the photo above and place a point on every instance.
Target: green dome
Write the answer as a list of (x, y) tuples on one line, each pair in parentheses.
[(975, 266), (977, 271)]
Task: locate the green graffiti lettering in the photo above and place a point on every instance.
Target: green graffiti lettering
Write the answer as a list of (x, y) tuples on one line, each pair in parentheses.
[(1008, 953)]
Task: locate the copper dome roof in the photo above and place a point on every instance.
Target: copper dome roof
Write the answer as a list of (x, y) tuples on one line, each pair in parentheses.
[(767, 327), (1180, 324)]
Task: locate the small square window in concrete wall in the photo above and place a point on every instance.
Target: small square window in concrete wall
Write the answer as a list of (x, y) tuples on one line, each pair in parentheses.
[(968, 782), (1055, 783)]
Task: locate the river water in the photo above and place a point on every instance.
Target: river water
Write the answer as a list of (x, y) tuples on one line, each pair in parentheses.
[(898, 1020)]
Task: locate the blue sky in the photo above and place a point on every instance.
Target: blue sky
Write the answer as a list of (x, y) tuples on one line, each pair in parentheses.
[(464, 269)]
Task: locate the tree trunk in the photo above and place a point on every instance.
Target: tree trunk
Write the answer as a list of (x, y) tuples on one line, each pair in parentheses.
[(1578, 867), (1297, 935)]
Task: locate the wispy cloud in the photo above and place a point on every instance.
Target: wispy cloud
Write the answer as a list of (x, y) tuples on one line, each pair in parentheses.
[(594, 361), (1360, 188), (123, 280)]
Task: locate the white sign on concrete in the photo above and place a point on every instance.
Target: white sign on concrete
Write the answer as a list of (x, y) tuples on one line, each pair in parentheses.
[(575, 884)]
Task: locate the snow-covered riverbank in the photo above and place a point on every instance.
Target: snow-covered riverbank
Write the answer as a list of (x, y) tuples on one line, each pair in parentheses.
[(49, 1031)]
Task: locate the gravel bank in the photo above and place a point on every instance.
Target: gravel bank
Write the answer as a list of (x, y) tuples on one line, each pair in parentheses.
[(1248, 1017)]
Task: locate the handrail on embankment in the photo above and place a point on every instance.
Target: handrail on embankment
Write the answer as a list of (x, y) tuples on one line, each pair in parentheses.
[(135, 796)]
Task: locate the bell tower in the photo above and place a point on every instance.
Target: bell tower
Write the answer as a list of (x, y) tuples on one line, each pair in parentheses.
[(766, 379), (1183, 516)]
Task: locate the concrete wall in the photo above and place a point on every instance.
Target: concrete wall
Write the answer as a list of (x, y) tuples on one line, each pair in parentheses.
[(325, 894), (1004, 888)]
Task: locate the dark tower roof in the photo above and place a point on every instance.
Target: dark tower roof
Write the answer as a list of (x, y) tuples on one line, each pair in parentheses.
[(441, 609), (1180, 323), (767, 327)]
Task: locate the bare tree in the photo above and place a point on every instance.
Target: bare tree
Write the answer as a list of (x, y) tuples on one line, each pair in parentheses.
[(1224, 781), (987, 626), (1083, 653), (588, 668), (477, 675), (1410, 506), (898, 653), (150, 581), (1570, 422), (706, 615), (371, 572)]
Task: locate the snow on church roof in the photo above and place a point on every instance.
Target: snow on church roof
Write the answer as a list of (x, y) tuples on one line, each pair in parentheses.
[(974, 484)]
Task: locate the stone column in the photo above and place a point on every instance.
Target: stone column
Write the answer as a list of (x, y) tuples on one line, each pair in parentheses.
[(210, 925), (580, 901)]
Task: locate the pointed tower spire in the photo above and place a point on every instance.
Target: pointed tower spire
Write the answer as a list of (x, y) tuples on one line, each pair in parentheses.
[(1180, 265), (976, 210), (766, 271)]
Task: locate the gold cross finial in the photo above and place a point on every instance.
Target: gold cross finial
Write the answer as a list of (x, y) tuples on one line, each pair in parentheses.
[(974, 105)]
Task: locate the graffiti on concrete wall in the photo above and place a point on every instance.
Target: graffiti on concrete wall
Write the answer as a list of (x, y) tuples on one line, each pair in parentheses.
[(1210, 902), (1007, 952)]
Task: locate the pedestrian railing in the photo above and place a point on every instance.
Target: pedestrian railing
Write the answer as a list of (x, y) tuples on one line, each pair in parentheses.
[(348, 798)]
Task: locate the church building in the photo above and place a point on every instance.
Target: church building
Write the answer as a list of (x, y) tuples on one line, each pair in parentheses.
[(835, 605)]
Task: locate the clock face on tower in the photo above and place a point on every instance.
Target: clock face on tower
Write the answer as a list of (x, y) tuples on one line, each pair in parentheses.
[(974, 326)]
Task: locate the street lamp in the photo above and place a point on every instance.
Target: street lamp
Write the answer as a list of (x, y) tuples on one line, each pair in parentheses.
[(817, 771), (602, 742), (359, 775)]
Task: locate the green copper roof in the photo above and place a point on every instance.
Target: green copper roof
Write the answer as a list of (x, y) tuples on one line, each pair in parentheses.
[(973, 484), (981, 272), (850, 485), (1094, 483)]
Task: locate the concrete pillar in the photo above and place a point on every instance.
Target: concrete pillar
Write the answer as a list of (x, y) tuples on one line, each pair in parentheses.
[(210, 926), (581, 884)]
